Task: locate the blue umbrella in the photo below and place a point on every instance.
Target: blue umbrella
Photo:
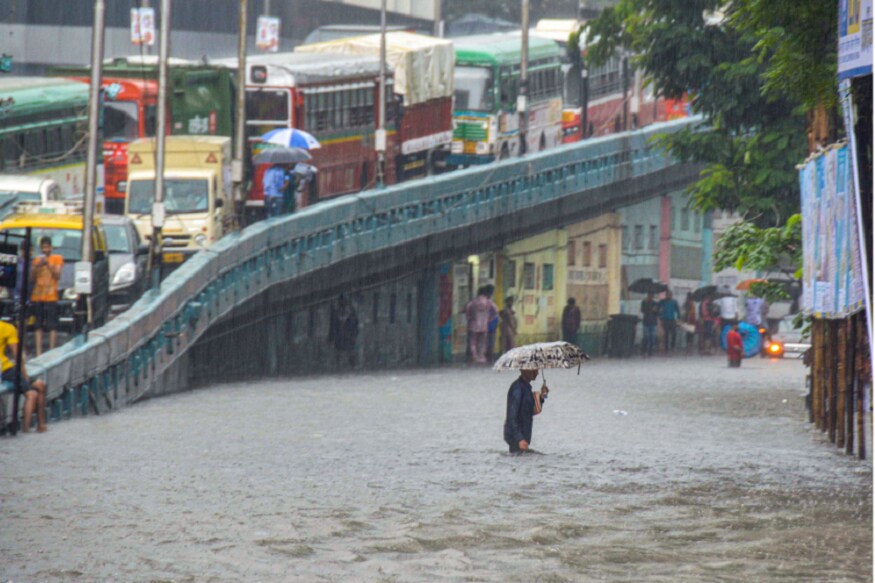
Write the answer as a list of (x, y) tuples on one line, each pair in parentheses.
[(291, 138), (751, 341)]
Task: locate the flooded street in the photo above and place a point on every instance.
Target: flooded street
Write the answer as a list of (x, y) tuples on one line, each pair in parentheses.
[(662, 470)]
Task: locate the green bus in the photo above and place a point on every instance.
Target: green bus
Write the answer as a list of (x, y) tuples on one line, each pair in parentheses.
[(43, 129), (487, 81)]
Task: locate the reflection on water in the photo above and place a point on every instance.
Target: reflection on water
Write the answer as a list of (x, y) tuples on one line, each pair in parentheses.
[(713, 474)]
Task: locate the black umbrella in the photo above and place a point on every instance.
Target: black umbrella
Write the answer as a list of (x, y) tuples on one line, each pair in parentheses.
[(282, 156), (699, 294), (646, 285)]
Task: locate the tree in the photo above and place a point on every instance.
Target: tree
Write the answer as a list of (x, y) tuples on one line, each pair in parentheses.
[(738, 63), (773, 250)]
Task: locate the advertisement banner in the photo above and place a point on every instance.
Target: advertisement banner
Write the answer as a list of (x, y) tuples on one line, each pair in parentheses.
[(143, 26), (268, 34), (832, 280), (855, 38)]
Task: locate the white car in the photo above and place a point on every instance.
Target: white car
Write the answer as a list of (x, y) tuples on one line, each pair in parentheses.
[(786, 341)]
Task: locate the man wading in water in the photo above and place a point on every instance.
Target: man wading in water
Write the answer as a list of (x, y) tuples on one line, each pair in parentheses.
[(522, 405)]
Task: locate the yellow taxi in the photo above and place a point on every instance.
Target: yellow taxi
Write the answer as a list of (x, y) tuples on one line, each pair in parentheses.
[(62, 224)]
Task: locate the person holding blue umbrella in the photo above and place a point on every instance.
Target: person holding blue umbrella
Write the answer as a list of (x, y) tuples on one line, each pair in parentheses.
[(276, 181)]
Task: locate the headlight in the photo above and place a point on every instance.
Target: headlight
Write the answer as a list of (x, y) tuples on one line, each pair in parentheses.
[(125, 274), (200, 239), (482, 147), (70, 294), (4, 293)]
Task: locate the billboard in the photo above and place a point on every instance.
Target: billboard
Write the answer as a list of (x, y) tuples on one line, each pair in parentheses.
[(832, 270), (855, 38)]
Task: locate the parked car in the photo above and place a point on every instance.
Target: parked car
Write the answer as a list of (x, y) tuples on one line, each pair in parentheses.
[(128, 257), (786, 340)]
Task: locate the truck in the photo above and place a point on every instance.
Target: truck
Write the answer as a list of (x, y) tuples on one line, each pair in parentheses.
[(200, 102), (423, 88), (197, 189)]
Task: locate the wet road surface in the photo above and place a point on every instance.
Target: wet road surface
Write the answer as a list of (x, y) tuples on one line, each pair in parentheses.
[(711, 474)]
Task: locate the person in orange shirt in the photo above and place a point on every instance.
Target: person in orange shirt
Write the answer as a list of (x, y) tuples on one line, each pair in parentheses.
[(45, 274), (34, 391)]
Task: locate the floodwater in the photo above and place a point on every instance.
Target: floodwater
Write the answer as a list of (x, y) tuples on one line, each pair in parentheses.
[(712, 474)]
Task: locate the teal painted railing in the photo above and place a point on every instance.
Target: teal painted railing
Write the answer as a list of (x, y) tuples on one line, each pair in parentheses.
[(122, 361)]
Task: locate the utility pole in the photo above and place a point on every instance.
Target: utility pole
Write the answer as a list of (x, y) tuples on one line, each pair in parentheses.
[(438, 23), (380, 137), (625, 73), (522, 99), (160, 138), (83, 268), (237, 173), (267, 7)]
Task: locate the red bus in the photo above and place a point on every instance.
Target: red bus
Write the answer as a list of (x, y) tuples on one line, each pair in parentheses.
[(333, 97), (423, 71)]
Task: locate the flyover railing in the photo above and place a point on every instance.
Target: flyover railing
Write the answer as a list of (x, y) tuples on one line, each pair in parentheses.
[(131, 357)]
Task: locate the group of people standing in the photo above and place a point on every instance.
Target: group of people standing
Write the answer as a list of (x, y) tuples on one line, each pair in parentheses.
[(702, 324)]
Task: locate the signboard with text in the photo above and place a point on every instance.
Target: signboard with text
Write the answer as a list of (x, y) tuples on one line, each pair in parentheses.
[(268, 34), (855, 38), (143, 26)]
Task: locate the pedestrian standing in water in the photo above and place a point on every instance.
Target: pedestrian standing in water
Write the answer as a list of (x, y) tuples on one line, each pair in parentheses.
[(522, 405), (478, 312), (668, 316), (508, 325), (689, 317), (649, 316), (734, 347), (570, 322), (492, 327)]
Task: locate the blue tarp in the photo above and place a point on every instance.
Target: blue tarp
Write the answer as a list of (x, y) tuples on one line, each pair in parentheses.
[(750, 338)]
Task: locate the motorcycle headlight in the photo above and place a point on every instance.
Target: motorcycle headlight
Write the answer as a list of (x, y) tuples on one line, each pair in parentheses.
[(125, 274), (70, 294)]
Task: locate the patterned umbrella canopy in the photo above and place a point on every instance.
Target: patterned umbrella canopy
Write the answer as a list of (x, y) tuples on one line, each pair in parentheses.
[(541, 355)]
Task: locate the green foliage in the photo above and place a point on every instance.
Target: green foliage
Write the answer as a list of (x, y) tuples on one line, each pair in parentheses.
[(751, 75), (771, 249)]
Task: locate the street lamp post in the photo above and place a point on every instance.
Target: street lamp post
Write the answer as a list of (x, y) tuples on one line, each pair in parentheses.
[(522, 98), (161, 139), (83, 268), (237, 171), (380, 136)]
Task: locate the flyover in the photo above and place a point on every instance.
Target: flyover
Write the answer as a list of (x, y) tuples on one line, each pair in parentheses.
[(228, 291)]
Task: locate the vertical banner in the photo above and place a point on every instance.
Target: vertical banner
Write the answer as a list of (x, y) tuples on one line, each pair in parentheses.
[(832, 280), (143, 26), (855, 38), (268, 34)]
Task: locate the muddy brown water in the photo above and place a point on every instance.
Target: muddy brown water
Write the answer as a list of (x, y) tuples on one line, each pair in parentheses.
[(710, 475)]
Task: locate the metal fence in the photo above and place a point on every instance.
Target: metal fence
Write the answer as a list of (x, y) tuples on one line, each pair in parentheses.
[(127, 359)]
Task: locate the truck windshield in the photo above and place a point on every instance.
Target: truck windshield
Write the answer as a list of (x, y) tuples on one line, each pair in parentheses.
[(65, 242), (473, 89), (181, 195), (120, 121), (8, 197)]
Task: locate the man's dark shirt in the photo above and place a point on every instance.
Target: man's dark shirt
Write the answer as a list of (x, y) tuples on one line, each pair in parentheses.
[(520, 412), (649, 312)]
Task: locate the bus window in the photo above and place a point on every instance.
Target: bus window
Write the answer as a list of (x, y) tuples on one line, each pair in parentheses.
[(35, 143), (120, 120), (267, 105), (473, 88)]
